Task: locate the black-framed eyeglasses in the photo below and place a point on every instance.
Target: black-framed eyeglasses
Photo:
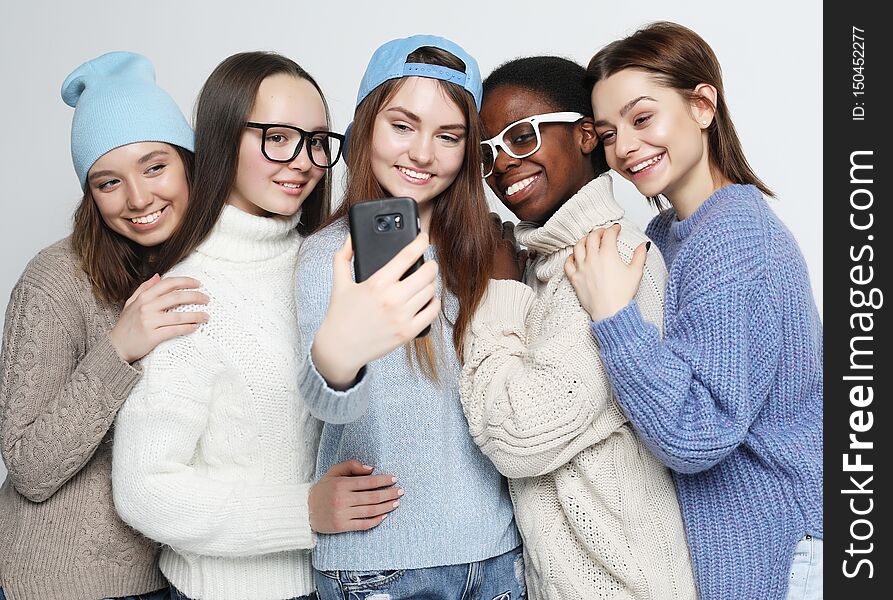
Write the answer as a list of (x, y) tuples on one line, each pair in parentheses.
[(283, 143)]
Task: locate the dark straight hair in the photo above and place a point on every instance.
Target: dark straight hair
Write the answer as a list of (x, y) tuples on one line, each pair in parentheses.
[(679, 58), (223, 106), (460, 222), (115, 265)]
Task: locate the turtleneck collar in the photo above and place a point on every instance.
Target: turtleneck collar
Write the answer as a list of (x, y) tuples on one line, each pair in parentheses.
[(240, 237), (681, 229), (591, 207)]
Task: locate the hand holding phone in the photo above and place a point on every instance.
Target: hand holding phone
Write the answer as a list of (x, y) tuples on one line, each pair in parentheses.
[(369, 319)]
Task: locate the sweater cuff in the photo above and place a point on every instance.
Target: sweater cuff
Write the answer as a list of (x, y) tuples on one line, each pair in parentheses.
[(327, 403), (282, 518), (507, 303), (116, 374), (624, 332)]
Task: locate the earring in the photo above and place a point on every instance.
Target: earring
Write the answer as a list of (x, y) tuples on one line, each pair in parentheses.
[(703, 122)]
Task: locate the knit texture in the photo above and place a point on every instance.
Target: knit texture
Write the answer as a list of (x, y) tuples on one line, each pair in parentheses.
[(215, 450), (61, 383), (731, 399), (597, 511), (457, 507)]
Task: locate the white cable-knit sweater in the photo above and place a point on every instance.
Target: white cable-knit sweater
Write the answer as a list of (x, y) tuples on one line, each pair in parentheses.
[(597, 512), (214, 450)]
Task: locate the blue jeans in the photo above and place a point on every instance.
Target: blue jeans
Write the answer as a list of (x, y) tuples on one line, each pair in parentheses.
[(176, 594), (806, 570), (497, 578), (157, 595)]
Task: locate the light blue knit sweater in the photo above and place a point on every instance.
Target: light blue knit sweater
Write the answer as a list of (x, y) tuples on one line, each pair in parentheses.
[(731, 398), (457, 507)]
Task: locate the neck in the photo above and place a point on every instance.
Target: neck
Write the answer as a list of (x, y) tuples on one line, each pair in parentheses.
[(691, 194)]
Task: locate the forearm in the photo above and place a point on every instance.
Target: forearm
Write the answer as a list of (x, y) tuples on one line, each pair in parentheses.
[(532, 404), (55, 411)]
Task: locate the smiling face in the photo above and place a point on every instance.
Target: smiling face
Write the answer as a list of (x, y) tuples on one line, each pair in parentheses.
[(141, 191), (533, 188), (653, 136), (418, 141), (263, 187)]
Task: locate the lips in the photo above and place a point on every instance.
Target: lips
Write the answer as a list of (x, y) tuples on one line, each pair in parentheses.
[(148, 220), (642, 167), (415, 177), (291, 187)]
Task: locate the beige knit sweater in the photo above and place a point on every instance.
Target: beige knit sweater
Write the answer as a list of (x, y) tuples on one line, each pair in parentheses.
[(598, 513), (61, 384)]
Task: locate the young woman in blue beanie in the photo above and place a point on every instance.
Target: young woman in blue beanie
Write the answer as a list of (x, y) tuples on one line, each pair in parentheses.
[(597, 511), (215, 451), (730, 398), (84, 311), (388, 399)]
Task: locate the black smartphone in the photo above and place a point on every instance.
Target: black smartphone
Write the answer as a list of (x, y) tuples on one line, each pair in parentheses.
[(379, 229)]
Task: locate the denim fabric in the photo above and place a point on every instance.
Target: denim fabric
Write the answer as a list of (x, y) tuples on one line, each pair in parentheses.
[(806, 570), (175, 594), (498, 578), (2, 595)]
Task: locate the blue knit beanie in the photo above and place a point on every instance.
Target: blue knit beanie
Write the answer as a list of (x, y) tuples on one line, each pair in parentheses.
[(116, 103)]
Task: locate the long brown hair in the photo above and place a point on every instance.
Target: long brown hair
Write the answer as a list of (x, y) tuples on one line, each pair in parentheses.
[(460, 225), (115, 265), (223, 106), (679, 58)]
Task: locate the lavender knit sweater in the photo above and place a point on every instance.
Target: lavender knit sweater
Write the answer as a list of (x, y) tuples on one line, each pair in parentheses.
[(731, 398)]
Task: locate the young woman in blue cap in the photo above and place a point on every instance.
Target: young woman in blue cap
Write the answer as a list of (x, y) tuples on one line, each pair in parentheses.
[(83, 312), (215, 452), (415, 134), (730, 397), (597, 511)]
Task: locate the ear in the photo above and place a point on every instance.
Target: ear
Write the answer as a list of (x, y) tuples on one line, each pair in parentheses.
[(704, 104), (586, 135)]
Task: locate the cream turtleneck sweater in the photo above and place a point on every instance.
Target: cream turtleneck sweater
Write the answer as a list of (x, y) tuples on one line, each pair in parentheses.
[(214, 450), (597, 511)]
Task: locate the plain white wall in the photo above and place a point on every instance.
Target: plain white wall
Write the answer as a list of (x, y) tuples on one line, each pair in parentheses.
[(770, 52)]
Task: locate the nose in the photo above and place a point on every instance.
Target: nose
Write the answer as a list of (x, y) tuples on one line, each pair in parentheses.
[(301, 162), (421, 150), (626, 143), (139, 195), (504, 162)]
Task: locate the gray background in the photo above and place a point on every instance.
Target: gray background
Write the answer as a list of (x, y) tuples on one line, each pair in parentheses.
[(770, 52)]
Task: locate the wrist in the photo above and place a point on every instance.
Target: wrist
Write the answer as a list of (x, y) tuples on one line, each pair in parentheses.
[(118, 346), (333, 361)]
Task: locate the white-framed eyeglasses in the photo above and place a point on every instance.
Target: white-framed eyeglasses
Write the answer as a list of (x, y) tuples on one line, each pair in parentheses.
[(521, 138)]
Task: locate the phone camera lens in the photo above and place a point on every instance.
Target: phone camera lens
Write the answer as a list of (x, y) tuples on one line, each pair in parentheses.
[(382, 224)]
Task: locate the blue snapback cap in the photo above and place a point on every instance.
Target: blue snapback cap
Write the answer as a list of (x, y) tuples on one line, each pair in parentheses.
[(389, 62)]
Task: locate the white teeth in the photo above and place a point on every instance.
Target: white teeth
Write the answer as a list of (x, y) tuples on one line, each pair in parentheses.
[(291, 186), (646, 163), (147, 218), (519, 185), (415, 174)]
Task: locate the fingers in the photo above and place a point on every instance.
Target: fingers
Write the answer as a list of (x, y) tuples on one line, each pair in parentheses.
[(508, 232), (422, 297), (397, 266), (375, 497), (372, 510), (368, 482), (180, 297), (423, 277), (341, 263), (169, 284), (495, 221), (365, 524), (166, 333), (579, 253), (425, 317), (170, 319), (349, 468), (143, 287), (570, 268), (640, 255)]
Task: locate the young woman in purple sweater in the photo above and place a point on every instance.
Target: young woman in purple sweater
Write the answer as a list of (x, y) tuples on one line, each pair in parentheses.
[(731, 397)]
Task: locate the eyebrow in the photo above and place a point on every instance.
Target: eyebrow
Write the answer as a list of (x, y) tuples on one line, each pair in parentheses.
[(143, 160), (415, 118), (625, 109)]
